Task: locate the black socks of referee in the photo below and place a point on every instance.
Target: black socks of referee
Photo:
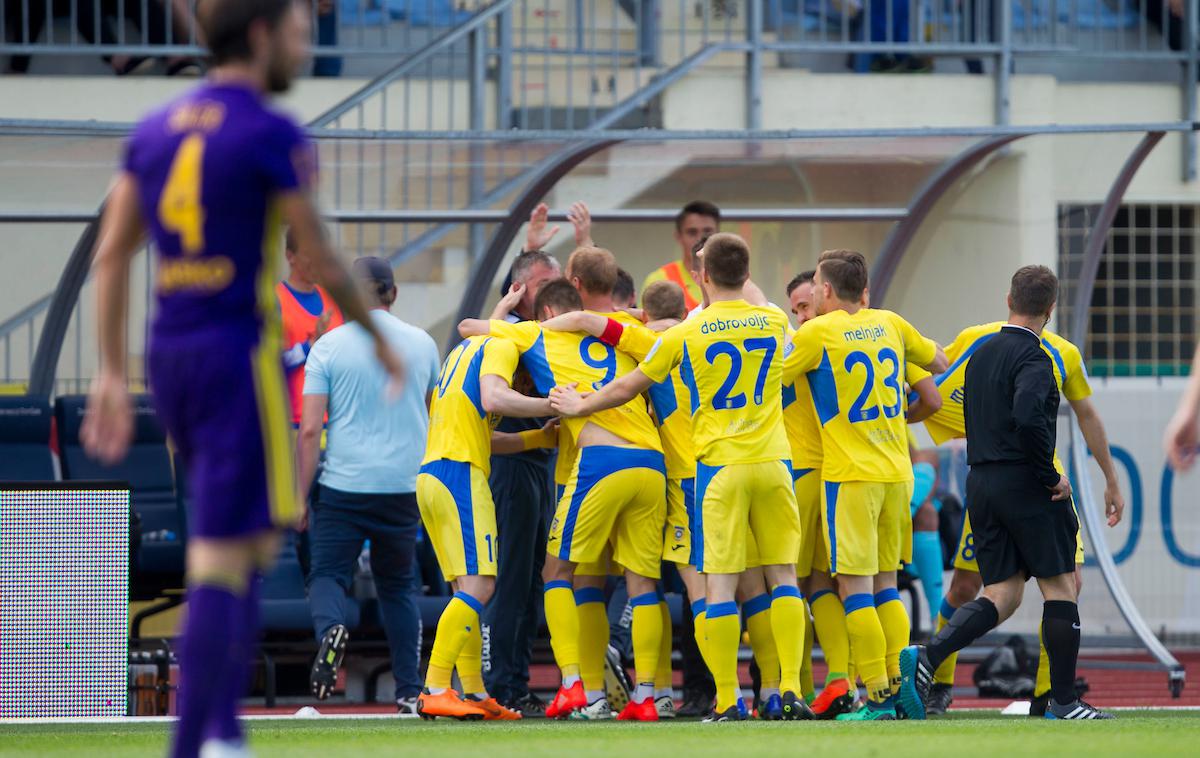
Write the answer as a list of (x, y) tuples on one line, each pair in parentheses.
[(1060, 635), (970, 622)]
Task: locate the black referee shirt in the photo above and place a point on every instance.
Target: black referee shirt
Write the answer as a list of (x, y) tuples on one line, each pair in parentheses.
[(1011, 405)]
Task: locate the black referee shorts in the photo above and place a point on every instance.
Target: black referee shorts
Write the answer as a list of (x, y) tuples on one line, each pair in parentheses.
[(1018, 528)]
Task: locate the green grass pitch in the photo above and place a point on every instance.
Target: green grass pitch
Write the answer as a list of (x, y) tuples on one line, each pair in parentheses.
[(1158, 733)]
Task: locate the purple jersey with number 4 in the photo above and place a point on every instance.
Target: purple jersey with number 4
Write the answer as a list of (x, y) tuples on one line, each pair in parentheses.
[(210, 168)]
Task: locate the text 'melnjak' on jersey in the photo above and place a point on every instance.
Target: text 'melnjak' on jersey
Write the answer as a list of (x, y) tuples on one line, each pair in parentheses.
[(855, 368), (208, 168)]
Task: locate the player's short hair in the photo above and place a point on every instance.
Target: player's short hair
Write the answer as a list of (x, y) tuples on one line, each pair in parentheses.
[(1034, 291), (525, 262), (727, 260), (698, 208), (557, 294), (595, 268), (664, 299), (624, 290), (226, 25), (804, 277), (846, 272)]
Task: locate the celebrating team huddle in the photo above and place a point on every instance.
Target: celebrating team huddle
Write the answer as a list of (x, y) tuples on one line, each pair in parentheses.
[(769, 464)]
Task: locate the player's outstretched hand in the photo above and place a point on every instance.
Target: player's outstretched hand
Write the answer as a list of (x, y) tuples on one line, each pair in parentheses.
[(566, 401), (1062, 490), (393, 366), (1181, 439), (1114, 504), (538, 235), (108, 421)]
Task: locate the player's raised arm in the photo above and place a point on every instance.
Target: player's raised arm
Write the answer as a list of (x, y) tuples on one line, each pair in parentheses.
[(473, 327), (929, 400), (566, 401), (108, 424), (334, 276), (501, 399)]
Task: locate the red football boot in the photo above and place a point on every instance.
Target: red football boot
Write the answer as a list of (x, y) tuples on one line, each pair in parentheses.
[(567, 700), (643, 711)]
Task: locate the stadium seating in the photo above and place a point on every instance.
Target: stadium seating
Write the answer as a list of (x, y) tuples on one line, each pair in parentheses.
[(26, 427), (148, 471)]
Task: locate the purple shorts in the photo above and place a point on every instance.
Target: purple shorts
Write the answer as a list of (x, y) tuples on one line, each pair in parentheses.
[(222, 400)]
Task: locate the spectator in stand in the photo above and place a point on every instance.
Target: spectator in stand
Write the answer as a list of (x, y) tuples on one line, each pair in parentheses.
[(624, 295), (306, 312), (327, 36), (368, 484), (697, 220), (1167, 17)]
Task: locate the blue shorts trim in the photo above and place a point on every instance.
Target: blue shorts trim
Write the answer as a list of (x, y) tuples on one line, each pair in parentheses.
[(595, 463), (800, 473), (704, 477), (456, 477), (831, 494), (688, 486)]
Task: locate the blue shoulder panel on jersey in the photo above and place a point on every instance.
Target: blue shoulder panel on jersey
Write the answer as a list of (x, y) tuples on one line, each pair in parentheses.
[(963, 358), (689, 380), (1058, 359), (789, 394), (539, 366), (824, 389), (470, 383), (662, 397)]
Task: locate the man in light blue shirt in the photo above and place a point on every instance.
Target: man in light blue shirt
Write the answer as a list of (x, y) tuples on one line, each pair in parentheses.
[(374, 446)]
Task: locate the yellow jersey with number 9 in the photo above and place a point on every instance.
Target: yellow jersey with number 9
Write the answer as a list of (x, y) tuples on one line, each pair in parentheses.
[(459, 428), (947, 423), (554, 358), (855, 367), (730, 358)]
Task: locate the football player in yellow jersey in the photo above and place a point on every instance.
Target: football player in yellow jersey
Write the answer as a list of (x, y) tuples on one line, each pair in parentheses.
[(617, 491), (729, 356), (458, 513), (854, 358), (947, 423)]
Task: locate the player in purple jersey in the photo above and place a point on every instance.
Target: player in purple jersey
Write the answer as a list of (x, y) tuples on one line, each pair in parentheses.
[(210, 178)]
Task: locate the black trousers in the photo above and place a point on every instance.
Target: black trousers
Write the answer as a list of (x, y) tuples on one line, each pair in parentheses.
[(524, 496)]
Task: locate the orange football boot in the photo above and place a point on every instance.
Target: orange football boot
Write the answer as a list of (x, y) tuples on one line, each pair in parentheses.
[(448, 704), (495, 711)]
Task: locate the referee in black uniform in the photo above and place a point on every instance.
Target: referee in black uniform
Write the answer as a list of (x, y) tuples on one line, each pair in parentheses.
[(1020, 505)]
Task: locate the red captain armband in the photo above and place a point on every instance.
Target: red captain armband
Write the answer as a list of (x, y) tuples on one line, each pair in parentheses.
[(612, 332)]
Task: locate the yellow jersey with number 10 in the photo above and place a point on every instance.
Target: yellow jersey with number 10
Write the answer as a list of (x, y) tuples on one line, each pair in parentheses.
[(948, 423), (855, 367), (459, 428), (730, 358)]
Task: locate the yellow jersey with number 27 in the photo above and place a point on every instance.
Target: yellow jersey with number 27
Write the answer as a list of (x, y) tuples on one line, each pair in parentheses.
[(855, 368), (730, 356)]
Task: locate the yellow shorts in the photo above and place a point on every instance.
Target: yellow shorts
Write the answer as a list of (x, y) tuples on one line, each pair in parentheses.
[(677, 534), (741, 500), (814, 555), (965, 557), (615, 494), (868, 526), (459, 517)]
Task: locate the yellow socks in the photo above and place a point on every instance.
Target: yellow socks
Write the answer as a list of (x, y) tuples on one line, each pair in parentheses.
[(945, 672), (698, 621), (662, 677), (829, 623), (593, 637), (562, 619), (896, 629), (762, 639), (806, 672), (723, 629), (787, 622), (1042, 686), (647, 636), (869, 645), (470, 664), (459, 622)]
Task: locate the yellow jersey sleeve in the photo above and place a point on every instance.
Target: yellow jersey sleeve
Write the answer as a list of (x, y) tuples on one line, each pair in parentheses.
[(1068, 365), (459, 428), (500, 358), (522, 334), (637, 341), (665, 354), (914, 373), (918, 348), (803, 351)]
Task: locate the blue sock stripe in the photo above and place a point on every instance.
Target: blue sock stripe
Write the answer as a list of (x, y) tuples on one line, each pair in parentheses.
[(756, 605), (887, 596), (858, 602), (785, 590), (647, 598), (947, 610), (475, 604), (589, 595), (717, 610), (697, 607), (818, 595), (556, 584)]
